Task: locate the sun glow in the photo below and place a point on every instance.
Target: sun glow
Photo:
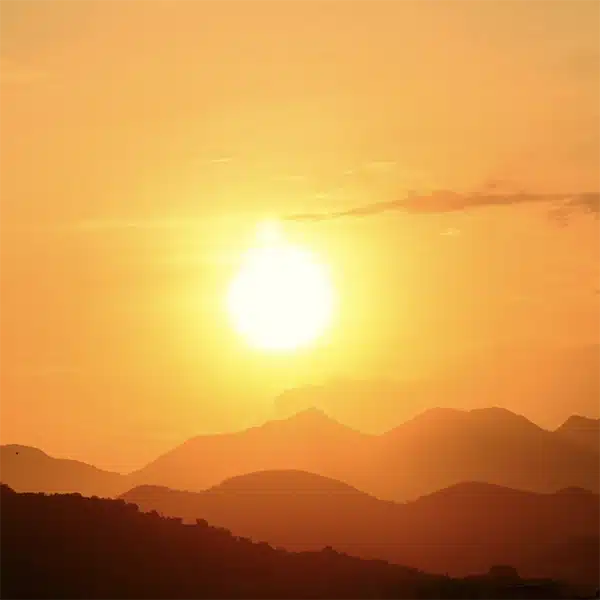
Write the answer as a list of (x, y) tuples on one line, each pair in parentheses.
[(282, 297)]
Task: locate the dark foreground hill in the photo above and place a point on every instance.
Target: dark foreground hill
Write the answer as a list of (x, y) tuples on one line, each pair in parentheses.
[(28, 469), (460, 530), (67, 546)]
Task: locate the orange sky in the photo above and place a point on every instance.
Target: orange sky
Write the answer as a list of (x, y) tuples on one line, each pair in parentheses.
[(142, 142)]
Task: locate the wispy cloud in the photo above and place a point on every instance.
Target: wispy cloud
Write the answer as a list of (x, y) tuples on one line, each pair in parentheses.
[(446, 201)]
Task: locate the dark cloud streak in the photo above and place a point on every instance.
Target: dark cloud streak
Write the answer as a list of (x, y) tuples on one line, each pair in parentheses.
[(446, 201)]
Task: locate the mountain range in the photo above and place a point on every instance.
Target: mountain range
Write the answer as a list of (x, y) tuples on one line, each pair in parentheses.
[(449, 491), (437, 449)]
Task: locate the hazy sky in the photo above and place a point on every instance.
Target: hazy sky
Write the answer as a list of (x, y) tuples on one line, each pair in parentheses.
[(143, 140)]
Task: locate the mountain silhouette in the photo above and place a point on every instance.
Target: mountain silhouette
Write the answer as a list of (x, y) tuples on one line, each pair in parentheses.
[(287, 482), (295, 509), (582, 430), (463, 529), (350, 402), (436, 449), (308, 441), (442, 447), (67, 546), (27, 469)]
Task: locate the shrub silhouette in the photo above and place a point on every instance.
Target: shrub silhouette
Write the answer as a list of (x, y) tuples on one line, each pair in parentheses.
[(7, 491), (504, 573)]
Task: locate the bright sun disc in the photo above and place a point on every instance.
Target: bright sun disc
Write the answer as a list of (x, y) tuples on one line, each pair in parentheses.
[(281, 298)]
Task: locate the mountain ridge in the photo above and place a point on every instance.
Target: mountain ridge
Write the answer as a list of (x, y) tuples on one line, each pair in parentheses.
[(29, 469)]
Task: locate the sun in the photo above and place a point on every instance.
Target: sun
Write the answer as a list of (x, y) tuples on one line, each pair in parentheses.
[(282, 297)]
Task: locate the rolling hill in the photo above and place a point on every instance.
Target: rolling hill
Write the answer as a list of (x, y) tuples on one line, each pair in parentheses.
[(27, 469), (439, 448)]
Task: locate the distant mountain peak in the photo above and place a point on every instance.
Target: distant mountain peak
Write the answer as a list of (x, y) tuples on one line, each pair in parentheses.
[(493, 415), (501, 415), (496, 411), (582, 431), (310, 418), (447, 419), (438, 414), (313, 414), (304, 419), (578, 422)]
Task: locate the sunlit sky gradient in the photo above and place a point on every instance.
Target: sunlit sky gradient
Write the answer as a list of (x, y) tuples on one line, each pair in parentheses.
[(142, 142)]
